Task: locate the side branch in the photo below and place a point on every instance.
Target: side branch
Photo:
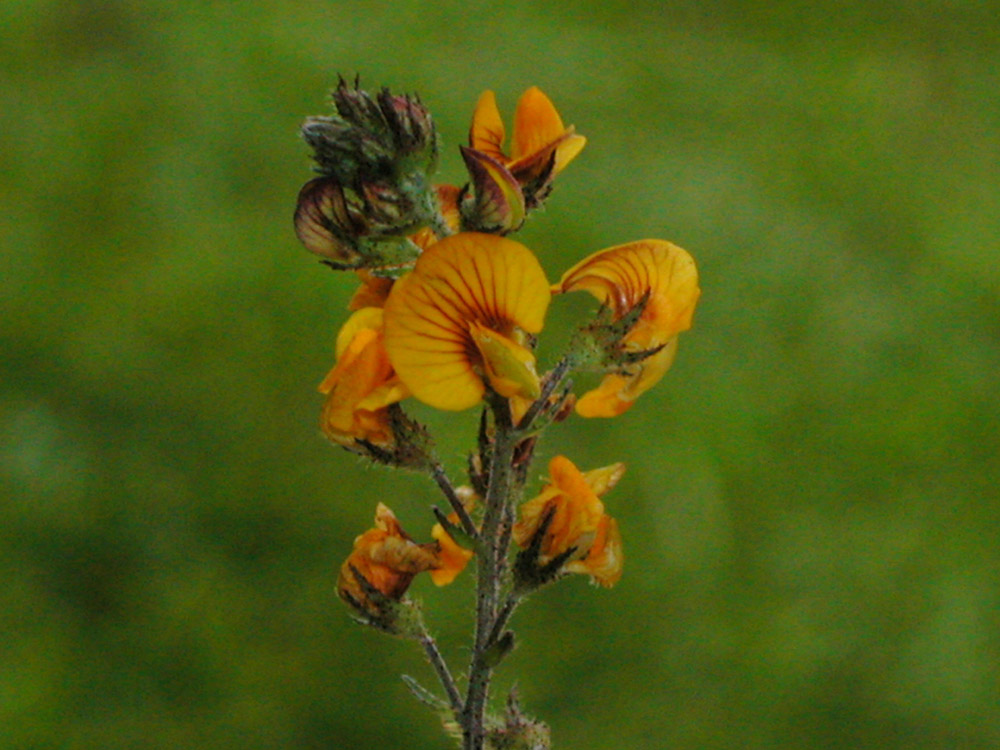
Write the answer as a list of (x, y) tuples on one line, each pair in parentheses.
[(437, 472), (552, 381), (444, 674)]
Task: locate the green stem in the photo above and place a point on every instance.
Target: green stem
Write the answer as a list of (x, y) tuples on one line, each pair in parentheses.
[(441, 668), (489, 561), (552, 381), (437, 472)]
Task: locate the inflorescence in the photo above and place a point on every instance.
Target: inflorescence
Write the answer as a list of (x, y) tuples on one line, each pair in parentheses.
[(448, 311)]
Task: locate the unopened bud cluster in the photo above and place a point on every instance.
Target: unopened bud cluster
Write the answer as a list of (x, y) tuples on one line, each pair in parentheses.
[(375, 156)]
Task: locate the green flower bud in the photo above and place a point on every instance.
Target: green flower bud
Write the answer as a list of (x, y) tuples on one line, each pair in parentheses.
[(375, 156)]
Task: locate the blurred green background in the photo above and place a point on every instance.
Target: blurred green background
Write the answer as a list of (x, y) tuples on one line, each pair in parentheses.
[(810, 512)]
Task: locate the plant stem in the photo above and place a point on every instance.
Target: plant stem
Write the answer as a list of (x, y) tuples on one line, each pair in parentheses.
[(503, 616), (552, 381), (444, 674), (437, 472), (489, 561)]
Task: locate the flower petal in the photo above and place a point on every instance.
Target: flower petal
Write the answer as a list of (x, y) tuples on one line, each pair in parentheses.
[(537, 124), (487, 132), (616, 393), (604, 479), (509, 366), (568, 150), (619, 276), (605, 561), (465, 277)]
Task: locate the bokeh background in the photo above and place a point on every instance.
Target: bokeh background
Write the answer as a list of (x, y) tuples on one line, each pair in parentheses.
[(810, 512)]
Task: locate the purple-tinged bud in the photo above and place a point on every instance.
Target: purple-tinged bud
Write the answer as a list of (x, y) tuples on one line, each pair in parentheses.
[(375, 155), (496, 205), (327, 223), (372, 138)]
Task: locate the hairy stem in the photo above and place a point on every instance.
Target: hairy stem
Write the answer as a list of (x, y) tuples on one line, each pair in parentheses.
[(489, 563), (552, 381), (444, 674), (437, 472)]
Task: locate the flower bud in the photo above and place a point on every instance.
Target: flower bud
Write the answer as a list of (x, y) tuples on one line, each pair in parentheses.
[(353, 230), (328, 223), (496, 203), (375, 156), (384, 138)]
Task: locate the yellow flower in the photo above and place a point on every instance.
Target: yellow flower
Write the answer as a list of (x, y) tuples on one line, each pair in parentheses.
[(619, 277), (387, 558), (461, 318), (578, 521), (538, 134), (361, 385), (452, 557)]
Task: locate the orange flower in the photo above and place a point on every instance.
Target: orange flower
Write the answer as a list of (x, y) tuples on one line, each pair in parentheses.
[(452, 558), (578, 521), (361, 385), (372, 292), (538, 134), (619, 277), (387, 558), (461, 319)]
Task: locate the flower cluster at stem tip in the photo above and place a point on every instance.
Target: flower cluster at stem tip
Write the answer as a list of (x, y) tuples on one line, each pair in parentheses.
[(448, 311)]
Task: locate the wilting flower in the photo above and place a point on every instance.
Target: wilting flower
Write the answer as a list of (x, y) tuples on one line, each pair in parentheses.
[(577, 526), (362, 384), (462, 319), (541, 146), (621, 277), (452, 557), (383, 563)]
